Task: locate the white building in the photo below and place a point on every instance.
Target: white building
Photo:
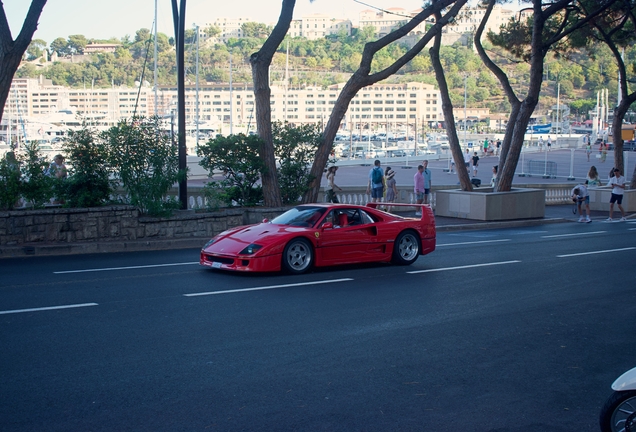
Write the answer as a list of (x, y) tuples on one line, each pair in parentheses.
[(317, 26), (375, 105), (229, 27), (384, 22)]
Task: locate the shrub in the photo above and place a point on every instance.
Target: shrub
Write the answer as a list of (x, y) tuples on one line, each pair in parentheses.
[(10, 181), (145, 162), (295, 149), (88, 184), (37, 185), (237, 157)]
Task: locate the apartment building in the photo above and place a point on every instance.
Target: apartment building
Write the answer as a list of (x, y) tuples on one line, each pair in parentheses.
[(385, 21), (317, 26), (376, 104), (38, 101), (230, 28), (469, 19)]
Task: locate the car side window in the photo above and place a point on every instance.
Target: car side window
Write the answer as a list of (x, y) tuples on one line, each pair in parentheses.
[(365, 218)]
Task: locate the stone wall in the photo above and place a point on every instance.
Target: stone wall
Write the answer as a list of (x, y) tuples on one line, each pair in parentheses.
[(117, 224)]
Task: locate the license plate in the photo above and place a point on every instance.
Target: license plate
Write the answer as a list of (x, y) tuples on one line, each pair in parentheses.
[(216, 264)]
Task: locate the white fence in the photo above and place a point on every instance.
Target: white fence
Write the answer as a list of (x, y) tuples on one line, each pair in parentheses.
[(554, 194)]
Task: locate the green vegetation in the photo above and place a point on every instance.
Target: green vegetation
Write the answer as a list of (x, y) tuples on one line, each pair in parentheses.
[(135, 153), (88, 183), (237, 157), (146, 163), (324, 62)]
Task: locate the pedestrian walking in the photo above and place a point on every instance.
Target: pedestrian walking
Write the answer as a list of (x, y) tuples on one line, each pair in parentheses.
[(331, 185), (497, 147), (467, 160), (588, 151), (581, 197), (375, 185), (592, 177), (428, 183), (486, 147), (618, 189), (418, 188), (549, 142), (604, 152), (391, 187), (475, 164), (540, 142)]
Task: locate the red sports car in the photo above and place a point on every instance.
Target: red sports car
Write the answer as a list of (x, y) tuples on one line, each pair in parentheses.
[(322, 235)]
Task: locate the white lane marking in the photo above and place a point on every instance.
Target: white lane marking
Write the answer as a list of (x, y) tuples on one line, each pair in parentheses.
[(463, 267), (474, 242), (574, 235), (48, 308), (124, 268), (267, 287), (596, 252)]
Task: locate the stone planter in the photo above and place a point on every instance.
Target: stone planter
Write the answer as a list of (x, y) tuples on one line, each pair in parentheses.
[(486, 205), (600, 198)]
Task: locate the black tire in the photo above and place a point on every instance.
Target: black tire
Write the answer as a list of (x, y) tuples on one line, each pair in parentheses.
[(619, 412), (298, 256), (406, 249)]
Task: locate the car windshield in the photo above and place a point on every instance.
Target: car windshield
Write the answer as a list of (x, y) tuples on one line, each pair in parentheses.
[(300, 216)]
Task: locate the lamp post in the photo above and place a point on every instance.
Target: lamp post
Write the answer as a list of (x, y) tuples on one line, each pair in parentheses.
[(178, 15), (465, 99)]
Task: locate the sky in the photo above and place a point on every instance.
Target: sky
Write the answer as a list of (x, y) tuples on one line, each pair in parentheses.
[(117, 18)]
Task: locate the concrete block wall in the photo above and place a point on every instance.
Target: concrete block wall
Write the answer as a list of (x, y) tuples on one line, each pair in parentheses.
[(118, 223)]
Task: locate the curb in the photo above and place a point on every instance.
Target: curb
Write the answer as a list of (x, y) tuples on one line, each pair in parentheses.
[(499, 224)]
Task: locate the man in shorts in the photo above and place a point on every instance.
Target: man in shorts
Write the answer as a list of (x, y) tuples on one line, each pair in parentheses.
[(475, 161), (467, 160), (428, 183), (618, 189), (376, 182), (581, 196), (418, 188)]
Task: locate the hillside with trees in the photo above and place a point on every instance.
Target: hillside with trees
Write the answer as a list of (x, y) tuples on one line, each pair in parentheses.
[(319, 62)]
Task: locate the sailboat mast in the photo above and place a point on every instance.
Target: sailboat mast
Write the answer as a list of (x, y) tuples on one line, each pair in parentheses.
[(155, 59), (197, 92)]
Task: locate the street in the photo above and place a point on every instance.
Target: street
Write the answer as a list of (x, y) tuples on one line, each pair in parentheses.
[(518, 329)]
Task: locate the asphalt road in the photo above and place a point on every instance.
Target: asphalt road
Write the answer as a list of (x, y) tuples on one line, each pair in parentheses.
[(498, 330)]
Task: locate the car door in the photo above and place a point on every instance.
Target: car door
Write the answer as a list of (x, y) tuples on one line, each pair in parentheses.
[(352, 239)]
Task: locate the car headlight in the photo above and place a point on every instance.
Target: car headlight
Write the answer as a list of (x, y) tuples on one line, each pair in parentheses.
[(251, 249), (209, 243)]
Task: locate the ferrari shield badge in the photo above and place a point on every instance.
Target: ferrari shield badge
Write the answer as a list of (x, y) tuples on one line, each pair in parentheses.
[(317, 234)]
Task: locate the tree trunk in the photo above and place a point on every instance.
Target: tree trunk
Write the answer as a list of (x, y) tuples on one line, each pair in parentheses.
[(361, 78), (11, 51), (449, 118), (260, 62), (541, 42)]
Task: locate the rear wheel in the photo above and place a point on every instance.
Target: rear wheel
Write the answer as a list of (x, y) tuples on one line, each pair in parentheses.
[(298, 256), (406, 248)]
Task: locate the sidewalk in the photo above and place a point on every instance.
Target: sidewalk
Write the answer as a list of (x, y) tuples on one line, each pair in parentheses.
[(553, 214)]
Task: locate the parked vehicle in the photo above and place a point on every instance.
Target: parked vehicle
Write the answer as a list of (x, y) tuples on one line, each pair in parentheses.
[(619, 412), (323, 235)]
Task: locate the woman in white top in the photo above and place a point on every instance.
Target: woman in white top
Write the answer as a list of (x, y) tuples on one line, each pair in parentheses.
[(592, 177), (331, 185)]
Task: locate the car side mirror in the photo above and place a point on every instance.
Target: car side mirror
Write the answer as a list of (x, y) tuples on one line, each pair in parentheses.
[(265, 220), (327, 225)]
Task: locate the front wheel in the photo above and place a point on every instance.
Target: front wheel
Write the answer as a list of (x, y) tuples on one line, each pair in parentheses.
[(406, 248), (298, 256), (619, 412)]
